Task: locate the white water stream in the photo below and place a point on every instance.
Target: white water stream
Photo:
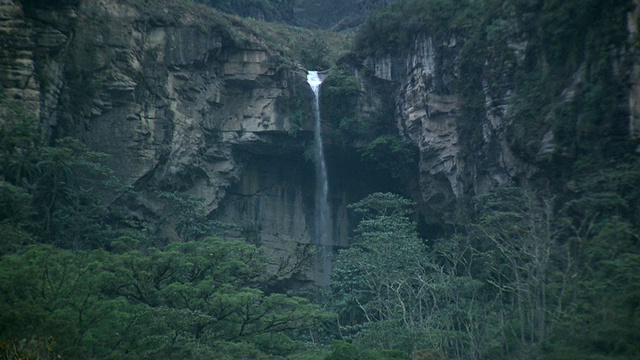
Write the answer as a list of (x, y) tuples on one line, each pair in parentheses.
[(322, 218)]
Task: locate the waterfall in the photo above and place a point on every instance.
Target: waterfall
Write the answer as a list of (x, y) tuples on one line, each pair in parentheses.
[(322, 219)]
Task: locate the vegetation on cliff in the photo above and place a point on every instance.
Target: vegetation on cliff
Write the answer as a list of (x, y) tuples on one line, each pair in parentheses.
[(519, 279), (546, 270), (568, 63), (540, 271), (81, 281), (313, 49)]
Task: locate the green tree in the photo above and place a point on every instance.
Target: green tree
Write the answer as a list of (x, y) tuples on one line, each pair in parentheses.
[(390, 153), (602, 234), (56, 293), (388, 291), (516, 238), (54, 192), (194, 299), (188, 216), (15, 217)]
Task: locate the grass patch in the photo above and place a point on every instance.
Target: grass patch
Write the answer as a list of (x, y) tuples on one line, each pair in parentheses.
[(293, 45)]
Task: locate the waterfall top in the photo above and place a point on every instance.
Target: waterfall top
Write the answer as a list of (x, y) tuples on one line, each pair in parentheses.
[(313, 78)]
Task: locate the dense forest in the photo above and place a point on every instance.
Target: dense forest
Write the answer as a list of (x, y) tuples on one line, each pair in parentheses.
[(546, 267)]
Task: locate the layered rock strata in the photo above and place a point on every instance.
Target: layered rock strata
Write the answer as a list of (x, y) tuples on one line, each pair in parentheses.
[(178, 99), (428, 110)]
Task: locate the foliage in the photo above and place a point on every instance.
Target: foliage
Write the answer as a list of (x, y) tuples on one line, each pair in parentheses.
[(289, 45), (28, 349), (264, 9), (313, 49), (390, 153), (325, 14), (187, 298), (541, 266), (313, 53), (576, 91), (78, 285), (528, 274), (344, 351), (387, 290), (188, 215), (556, 55), (296, 106), (341, 93), (602, 231), (53, 190), (523, 280), (395, 27), (339, 99), (172, 12)]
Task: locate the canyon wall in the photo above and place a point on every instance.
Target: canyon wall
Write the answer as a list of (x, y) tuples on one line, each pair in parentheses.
[(181, 100), (189, 100), (428, 111), (468, 148)]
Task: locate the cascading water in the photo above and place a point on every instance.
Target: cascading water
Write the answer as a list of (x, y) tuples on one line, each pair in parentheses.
[(322, 218)]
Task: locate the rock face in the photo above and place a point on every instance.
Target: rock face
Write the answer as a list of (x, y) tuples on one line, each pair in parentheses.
[(634, 93), (426, 113), (17, 63), (427, 110), (430, 111), (178, 103), (186, 100), (270, 10)]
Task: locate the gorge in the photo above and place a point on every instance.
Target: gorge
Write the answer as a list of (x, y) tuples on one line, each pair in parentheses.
[(482, 157)]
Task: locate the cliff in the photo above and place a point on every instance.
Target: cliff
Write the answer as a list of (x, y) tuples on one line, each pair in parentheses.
[(182, 99), (490, 98), (427, 110), (489, 151), (187, 99)]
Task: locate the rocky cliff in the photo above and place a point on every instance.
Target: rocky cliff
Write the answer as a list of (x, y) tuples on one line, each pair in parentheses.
[(187, 99), (505, 131), (427, 111), (181, 99), (634, 94)]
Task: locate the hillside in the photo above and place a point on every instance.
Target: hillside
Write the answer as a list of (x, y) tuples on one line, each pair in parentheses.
[(157, 179)]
